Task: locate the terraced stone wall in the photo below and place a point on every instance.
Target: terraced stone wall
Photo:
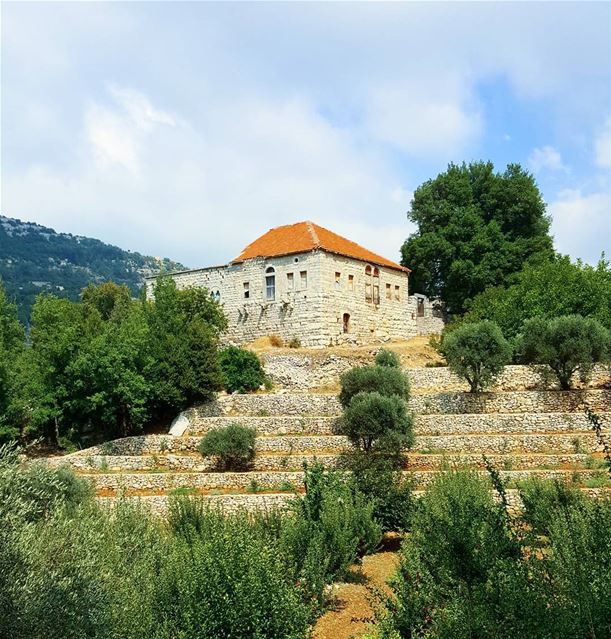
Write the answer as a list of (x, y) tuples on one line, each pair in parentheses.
[(305, 372)]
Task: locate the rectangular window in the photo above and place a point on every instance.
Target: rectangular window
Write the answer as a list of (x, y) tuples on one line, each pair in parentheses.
[(303, 279), (246, 290), (351, 282), (338, 280), (376, 293), (270, 287), (368, 291), (388, 292), (290, 282), (397, 292)]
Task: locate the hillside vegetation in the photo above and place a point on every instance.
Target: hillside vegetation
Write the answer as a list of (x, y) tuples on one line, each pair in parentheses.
[(35, 259)]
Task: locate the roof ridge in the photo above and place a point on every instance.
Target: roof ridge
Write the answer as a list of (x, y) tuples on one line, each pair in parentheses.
[(313, 234)]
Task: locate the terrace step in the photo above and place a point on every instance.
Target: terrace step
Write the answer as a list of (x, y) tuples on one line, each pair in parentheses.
[(289, 481), (453, 424), (327, 405), (295, 462), (502, 443)]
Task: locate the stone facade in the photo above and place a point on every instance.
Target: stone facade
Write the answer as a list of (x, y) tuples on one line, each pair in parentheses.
[(318, 297)]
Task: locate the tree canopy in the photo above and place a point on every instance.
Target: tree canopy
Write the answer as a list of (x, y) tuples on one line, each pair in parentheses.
[(554, 288), (475, 229), (109, 365)]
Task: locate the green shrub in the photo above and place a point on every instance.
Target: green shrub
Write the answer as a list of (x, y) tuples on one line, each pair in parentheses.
[(476, 352), (224, 578), (242, 370), (387, 358), (376, 421), (543, 499), (294, 342), (233, 446), (563, 345), (332, 525), (386, 380), (379, 479), (460, 573)]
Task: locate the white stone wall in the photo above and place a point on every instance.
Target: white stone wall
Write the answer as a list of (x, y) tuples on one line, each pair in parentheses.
[(368, 320), (311, 311)]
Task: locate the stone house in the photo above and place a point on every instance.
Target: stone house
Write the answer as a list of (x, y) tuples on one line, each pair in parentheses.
[(302, 281)]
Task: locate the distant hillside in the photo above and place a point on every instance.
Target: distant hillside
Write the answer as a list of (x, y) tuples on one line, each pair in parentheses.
[(36, 259)]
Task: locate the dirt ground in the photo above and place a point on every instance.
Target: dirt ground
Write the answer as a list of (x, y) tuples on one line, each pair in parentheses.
[(351, 613), (414, 353)]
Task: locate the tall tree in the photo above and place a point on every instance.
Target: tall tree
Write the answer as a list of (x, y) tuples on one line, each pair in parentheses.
[(476, 228), (12, 336)]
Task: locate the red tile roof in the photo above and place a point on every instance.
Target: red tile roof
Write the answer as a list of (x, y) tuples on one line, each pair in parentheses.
[(303, 237)]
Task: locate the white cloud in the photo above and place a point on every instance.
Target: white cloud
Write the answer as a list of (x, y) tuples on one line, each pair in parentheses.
[(581, 224), (547, 158), (422, 123), (602, 146), (199, 194), (116, 135)]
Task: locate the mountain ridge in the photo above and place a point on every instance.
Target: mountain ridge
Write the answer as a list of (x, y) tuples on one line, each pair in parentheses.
[(36, 259)]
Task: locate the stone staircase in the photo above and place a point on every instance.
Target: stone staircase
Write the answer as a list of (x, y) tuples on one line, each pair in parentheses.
[(522, 432)]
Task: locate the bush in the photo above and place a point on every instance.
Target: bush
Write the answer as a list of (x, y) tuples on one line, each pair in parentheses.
[(332, 525), (563, 345), (387, 358), (225, 577), (460, 574), (242, 370), (375, 421), (544, 499), (233, 445), (379, 479), (295, 343), (476, 352), (385, 380)]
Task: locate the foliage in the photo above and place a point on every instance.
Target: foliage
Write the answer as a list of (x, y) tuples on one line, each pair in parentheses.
[(376, 422), (547, 290), (543, 500), (12, 337), (224, 578), (332, 525), (385, 380), (379, 478), (388, 358), (110, 365), (467, 570), (35, 259), (242, 370), (565, 345), (477, 352), (233, 445), (476, 229)]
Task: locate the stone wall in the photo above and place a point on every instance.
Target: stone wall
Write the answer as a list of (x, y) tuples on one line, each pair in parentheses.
[(367, 321), (314, 291), (327, 405), (304, 372), (512, 402), (294, 313)]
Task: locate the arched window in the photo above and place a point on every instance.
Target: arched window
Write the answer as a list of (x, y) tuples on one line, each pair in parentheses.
[(270, 283), (216, 295), (376, 285), (368, 295)]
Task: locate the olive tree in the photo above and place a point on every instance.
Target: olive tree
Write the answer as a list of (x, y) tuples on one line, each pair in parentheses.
[(476, 352), (373, 420), (563, 346)]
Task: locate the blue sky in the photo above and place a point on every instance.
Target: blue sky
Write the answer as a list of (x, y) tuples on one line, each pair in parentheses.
[(187, 129)]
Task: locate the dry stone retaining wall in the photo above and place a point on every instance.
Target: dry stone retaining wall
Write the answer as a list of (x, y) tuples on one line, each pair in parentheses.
[(304, 372)]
